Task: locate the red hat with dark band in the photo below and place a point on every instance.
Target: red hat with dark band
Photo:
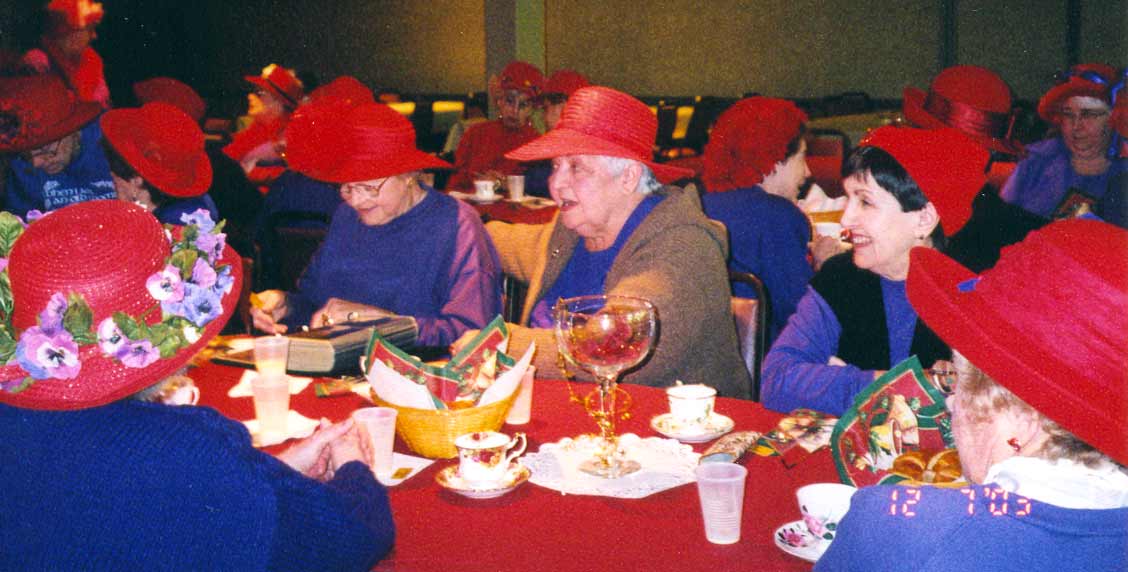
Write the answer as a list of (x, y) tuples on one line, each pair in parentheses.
[(972, 99), (281, 82)]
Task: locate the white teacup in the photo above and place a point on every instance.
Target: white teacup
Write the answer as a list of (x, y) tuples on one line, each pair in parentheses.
[(831, 229), (691, 405), (485, 189), (482, 458), (823, 505), (178, 390)]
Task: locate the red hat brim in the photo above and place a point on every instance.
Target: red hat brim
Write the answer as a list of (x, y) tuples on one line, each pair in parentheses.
[(262, 83), (1059, 94), (118, 128), (83, 112), (914, 111), (564, 141), (972, 325), (403, 162)]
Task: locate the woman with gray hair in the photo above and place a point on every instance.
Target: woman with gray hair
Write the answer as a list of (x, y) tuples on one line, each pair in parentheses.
[(619, 231), (1038, 414)]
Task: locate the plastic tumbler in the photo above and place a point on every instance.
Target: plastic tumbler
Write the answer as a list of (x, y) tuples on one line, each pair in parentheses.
[(516, 186), (377, 425), (271, 395), (271, 354), (720, 487)]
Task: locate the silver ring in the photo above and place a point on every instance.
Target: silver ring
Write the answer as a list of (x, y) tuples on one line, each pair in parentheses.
[(352, 316)]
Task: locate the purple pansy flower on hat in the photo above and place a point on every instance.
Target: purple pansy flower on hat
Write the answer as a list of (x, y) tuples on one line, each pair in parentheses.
[(166, 285), (211, 244), (201, 305), (35, 214), (51, 318), (45, 355), (203, 275), (139, 354), (110, 338), (200, 218), (224, 281)]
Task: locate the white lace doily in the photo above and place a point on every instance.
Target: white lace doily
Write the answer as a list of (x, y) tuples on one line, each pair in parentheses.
[(665, 463)]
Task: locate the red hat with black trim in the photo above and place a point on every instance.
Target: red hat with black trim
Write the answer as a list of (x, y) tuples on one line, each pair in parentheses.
[(521, 76), (973, 99), (602, 121), (281, 82), (36, 110), (947, 165), (747, 141), (1049, 322), (1082, 80), (164, 146), (338, 142), (172, 91)]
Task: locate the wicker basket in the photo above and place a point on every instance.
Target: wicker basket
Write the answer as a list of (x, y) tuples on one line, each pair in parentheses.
[(431, 432)]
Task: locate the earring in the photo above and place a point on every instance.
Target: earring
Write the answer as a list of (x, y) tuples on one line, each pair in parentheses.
[(1013, 442)]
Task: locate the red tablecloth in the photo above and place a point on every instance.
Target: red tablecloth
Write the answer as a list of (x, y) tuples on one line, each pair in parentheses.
[(534, 528), (513, 212)]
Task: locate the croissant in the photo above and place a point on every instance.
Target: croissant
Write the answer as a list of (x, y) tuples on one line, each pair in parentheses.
[(929, 466)]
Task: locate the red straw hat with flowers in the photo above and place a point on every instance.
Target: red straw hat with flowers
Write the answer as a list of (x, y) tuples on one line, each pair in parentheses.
[(748, 140), (172, 91), (1082, 80), (280, 81), (104, 304), (164, 146), (36, 110), (1049, 322), (602, 121), (973, 99), (338, 142), (947, 165)]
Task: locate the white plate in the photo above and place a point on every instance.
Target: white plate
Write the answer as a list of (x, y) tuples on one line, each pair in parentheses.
[(799, 543), (448, 479), (716, 426)]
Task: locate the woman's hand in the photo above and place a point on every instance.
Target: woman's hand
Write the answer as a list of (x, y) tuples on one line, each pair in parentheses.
[(337, 310), (350, 446), (462, 341), (271, 307), (316, 456)]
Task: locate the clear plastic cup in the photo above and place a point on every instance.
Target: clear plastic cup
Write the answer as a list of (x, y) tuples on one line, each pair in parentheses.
[(720, 487), (271, 394), (271, 355), (377, 425), (516, 186)]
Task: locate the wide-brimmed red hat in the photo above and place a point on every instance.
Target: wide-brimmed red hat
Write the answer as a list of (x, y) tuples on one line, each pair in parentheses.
[(164, 146), (281, 82), (565, 82), (113, 260), (338, 142), (973, 99), (172, 91), (947, 165), (523, 77), (36, 110), (346, 88), (1049, 322), (747, 141), (602, 121), (1082, 80)]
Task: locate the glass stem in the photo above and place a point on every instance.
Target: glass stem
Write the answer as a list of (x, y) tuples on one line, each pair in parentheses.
[(607, 419)]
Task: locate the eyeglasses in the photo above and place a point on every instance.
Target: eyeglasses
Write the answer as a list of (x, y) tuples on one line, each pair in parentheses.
[(48, 151), (365, 191), (1086, 115)]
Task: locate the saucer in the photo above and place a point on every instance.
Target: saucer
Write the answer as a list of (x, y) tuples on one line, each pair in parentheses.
[(714, 427), (448, 479), (794, 539)]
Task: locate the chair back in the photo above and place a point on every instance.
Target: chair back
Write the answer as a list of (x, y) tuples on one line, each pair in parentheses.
[(512, 298), (751, 320), (291, 239)]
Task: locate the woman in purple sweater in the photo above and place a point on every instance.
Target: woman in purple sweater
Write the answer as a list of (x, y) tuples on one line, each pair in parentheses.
[(906, 188), (395, 245)]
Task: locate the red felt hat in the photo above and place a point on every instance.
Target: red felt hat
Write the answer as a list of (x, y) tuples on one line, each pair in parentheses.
[(1082, 80), (280, 81), (164, 146), (523, 77), (337, 142), (602, 121), (108, 252), (346, 88), (36, 110), (172, 91), (947, 165), (972, 99), (565, 82), (747, 141), (1049, 322)]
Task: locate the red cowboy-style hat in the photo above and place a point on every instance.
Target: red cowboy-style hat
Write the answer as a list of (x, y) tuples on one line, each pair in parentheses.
[(565, 82), (172, 91), (36, 110), (107, 252), (947, 165), (164, 146), (523, 77), (972, 99), (338, 142), (1049, 322), (602, 121), (748, 140), (281, 82), (1082, 80)]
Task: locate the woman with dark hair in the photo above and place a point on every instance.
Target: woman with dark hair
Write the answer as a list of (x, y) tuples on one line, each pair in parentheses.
[(905, 188)]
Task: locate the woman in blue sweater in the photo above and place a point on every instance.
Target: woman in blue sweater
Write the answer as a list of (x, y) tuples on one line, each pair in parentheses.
[(395, 245), (104, 306)]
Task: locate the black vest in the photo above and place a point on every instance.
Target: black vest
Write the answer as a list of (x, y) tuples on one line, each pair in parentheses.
[(854, 295)]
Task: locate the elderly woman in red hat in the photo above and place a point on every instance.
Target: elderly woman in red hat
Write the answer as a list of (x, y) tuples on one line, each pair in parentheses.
[(71, 25), (1061, 174), (905, 188), (1038, 415), (755, 163), (481, 151), (157, 160), (277, 93), (396, 245), (620, 231), (105, 306)]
